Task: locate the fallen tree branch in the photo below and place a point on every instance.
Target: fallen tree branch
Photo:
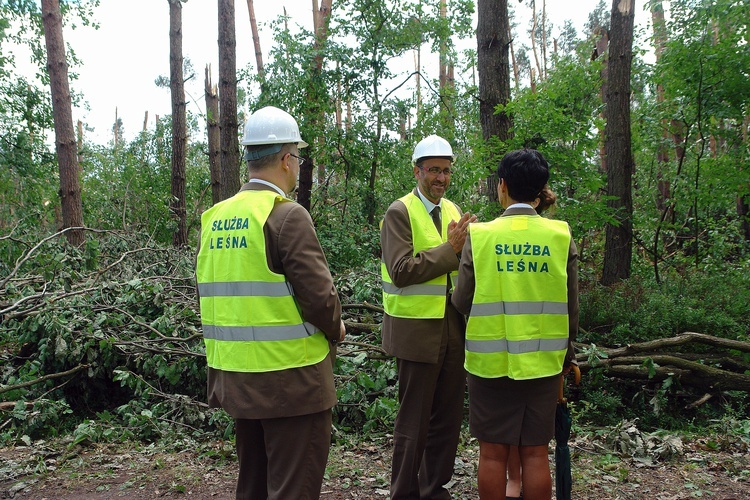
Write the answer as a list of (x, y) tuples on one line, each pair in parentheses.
[(43, 379), (707, 371), (364, 305), (363, 346), (677, 341), (356, 328), (690, 372)]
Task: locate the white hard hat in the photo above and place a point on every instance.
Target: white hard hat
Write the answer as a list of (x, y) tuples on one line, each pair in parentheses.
[(271, 125), (431, 146)]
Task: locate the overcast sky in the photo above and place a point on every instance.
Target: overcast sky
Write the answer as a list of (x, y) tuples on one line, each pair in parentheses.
[(130, 50)]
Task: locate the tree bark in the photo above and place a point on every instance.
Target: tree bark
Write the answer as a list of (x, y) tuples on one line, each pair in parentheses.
[(314, 108), (230, 147), (493, 42), (214, 136), (600, 50), (256, 44), (447, 82), (533, 40), (662, 155), (516, 72), (618, 247), (65, 138), (707, 370), (179, 127)]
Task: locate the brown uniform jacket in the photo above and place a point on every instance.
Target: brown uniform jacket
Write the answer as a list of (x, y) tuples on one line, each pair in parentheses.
[(412, 339), (463, 295), (292, 249)]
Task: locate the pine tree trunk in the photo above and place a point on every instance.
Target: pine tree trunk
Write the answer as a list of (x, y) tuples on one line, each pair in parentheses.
[(214, 137), (601, 50), (179, 127), (493, 42), (315, 95), (256, 44), (446, 77), (230, 147), (65, 138), (618, 246), (516, 77), (662, 155)]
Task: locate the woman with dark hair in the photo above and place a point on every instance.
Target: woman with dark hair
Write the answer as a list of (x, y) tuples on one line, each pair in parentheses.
[(518, 284)]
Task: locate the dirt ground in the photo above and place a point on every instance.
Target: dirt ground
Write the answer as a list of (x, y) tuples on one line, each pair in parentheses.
[(53, 471)]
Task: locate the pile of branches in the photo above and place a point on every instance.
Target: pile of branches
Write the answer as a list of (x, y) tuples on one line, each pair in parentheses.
[(701, 361), (72, 318), (123, 308)]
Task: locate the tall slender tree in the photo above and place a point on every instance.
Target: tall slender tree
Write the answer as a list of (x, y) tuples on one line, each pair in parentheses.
[(65, 138), (446, 76), (662, 156), (314, 110), (618, 247), (493, 43), (256, 43), (179, 127), (230, 147), (214, 136)]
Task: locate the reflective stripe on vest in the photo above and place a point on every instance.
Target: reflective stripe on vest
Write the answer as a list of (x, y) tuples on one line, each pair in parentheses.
[(518, 324), (257, 333), (424, 300), (494, 308), (244, 288), (252, 324)]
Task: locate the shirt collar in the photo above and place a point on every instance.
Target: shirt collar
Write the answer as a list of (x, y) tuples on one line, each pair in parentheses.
[(427, 203), (271, 184), (520, 205)]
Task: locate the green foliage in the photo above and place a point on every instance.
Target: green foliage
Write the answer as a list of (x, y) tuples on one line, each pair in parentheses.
[(128, 188), (640, 309), (367, 394), (123, 307), (103, 311), (691, 143), (44, 418), (561, 120), (361, 284)]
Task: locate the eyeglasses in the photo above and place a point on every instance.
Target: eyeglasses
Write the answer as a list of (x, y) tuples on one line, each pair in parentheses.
[(300, 160), (437, 171)]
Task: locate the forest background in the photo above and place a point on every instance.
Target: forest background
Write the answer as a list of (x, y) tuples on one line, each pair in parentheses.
[(646, 131)]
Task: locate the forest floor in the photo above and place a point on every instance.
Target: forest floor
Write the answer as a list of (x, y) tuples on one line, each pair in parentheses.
[(54, 470)]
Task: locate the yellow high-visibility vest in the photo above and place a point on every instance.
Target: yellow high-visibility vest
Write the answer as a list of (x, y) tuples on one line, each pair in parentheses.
[(251, 321), (518, 325), (424, 300)]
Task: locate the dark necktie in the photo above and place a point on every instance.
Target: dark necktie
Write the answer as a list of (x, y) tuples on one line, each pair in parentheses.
[(436, 219)]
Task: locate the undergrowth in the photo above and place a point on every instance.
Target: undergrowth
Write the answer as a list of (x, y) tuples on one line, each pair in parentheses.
[(103, 344)]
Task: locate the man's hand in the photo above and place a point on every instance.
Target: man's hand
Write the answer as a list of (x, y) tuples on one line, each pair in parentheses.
[(342, 331), (457, 231)]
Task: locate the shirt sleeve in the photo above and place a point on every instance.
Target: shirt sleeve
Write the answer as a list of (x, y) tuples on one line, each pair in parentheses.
[(304, 264), (573, 304), (403, 266), (463, 294)]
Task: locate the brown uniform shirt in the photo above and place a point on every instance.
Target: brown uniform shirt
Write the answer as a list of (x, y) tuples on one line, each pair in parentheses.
[(292, 249)]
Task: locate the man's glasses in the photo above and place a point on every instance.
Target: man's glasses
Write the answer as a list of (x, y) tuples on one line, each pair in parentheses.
[(437, 171), (299, 159)]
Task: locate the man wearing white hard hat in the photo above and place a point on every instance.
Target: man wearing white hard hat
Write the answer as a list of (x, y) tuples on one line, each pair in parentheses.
[(270, 312), (422, 236)]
